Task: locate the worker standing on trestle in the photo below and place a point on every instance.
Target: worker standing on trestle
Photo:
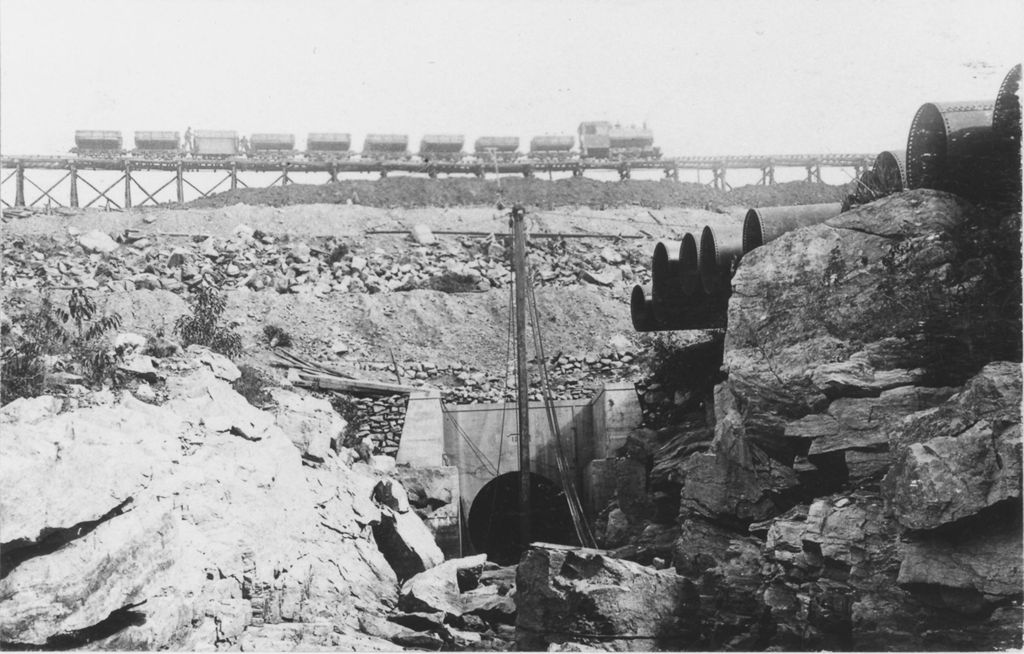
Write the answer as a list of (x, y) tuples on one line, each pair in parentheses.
[(188, 141)]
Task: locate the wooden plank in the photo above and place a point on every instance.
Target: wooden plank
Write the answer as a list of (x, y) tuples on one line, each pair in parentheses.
[(329, 383)]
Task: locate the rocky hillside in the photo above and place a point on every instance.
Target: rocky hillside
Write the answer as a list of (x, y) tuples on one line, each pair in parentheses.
[(859, 483), (159, 517), (198, 522), (841, 470)]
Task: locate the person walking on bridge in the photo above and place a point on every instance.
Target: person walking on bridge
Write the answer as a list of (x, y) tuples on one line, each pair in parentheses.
[(189, 141)]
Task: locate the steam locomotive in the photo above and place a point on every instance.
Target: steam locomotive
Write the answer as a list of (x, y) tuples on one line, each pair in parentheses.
[(598, 140)]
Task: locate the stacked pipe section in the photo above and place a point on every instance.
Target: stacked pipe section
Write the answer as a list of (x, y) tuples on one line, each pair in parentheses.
[(887, 175), (968, 148), (691, 279), (676, 299)]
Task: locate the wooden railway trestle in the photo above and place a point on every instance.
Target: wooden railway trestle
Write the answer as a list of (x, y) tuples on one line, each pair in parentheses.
[(77, 172)]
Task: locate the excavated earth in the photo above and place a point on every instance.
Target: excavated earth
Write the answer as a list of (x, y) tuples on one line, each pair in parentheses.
[(352, 298), (840, 470)]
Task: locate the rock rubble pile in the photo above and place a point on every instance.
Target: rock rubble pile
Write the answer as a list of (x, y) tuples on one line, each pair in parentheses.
[(259, 261)]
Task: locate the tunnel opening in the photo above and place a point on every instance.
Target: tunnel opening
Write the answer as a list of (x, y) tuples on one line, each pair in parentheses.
[(494, 517)]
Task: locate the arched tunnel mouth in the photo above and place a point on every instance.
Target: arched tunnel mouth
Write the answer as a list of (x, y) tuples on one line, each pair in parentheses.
[(494, 517)]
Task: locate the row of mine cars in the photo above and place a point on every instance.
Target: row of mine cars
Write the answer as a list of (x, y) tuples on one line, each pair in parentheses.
[(598, 140)]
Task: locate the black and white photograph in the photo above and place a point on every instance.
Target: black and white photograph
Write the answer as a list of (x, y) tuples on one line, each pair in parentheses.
[(511, 325)]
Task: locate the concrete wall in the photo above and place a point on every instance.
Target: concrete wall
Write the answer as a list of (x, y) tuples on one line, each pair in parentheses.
[(616, 412), (422, 443), (492, 429), (481, 441)]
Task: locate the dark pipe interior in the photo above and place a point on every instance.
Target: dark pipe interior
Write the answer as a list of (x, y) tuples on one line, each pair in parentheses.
[(689, 262), (659, 266), (926, 148), (494, 517), (665, 271), (753, 234), (637, 300), (890, 171), (641, 310), (1006, 115), (710, 274)]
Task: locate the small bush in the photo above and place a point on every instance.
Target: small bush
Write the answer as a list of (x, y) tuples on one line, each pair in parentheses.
[(203, 325), (23, 373), (338, 253), (349, 411), (67, 338), (252, 385), (277, 336)]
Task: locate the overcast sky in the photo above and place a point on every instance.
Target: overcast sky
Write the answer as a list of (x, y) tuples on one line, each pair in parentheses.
[(707, 77)]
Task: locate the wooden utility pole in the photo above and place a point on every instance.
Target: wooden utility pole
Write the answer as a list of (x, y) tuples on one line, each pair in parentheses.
[(522, 379), (179, 186), (19, 185), (127, 185), (73, 198)]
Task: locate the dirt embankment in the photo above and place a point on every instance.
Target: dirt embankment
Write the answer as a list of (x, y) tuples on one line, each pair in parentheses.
[(537, 193), (287, 276)]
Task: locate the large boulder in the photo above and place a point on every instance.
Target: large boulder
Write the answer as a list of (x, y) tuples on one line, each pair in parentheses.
[(310, 422), (967, 571), (961, 457), (735, 481), (96, 241), (406, 542), (566, 595), (865, 436), (867, 302), (201, 536), (437, 589)]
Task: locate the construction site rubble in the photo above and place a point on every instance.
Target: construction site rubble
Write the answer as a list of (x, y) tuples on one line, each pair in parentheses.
[(259, 261)]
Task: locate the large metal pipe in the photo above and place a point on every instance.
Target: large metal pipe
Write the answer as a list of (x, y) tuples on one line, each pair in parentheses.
[(665, 277), (1007, 128), (765, 224), (689, 264), (721, 247), (890, 169), (695, 312), (952, 147), (641, 310), (1006, 113)]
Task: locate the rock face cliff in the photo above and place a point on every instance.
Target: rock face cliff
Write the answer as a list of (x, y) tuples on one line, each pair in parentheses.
[(203, 523), (863, 487)]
